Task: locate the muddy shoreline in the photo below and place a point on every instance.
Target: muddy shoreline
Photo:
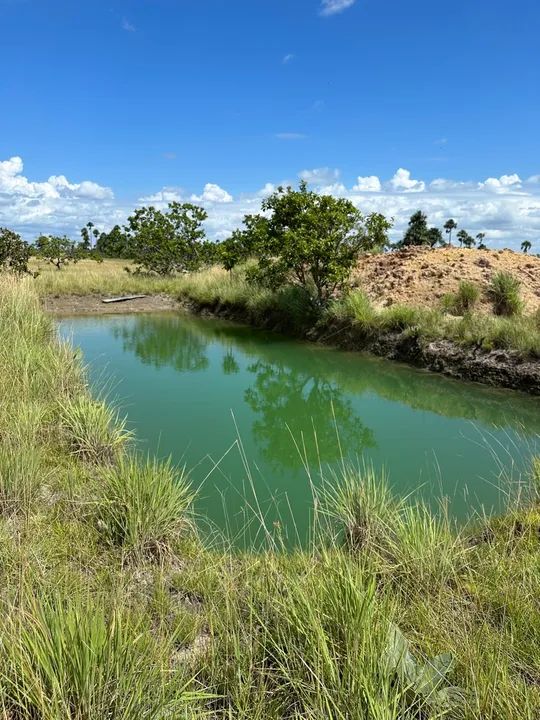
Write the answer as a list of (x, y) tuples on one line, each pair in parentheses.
[(498, 368), (93, 305)]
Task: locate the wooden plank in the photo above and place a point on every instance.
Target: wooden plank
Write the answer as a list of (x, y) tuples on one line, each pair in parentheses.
[(124, 298)]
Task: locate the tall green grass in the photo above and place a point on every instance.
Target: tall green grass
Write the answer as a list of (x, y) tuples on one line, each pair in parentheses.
[(74, 657), (144, 504), (112, 605), (505, 294), (93, 430)]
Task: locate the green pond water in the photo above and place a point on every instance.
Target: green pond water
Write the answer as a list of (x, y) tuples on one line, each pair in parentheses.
[(258, 419)]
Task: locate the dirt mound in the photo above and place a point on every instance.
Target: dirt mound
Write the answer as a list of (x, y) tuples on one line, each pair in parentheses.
[(421, 276)]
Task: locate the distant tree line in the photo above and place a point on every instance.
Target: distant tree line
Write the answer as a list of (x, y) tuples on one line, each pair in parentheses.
[(301, 237), (418, 233)]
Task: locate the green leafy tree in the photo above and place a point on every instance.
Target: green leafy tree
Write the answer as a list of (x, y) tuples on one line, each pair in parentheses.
[(113, 244), (526, 246), (434, 237), (450, 226), (167, 242), (377, 228), (237, 248), (418, 232), (307, 239), (14, 252), (58, 250), (480, 240)]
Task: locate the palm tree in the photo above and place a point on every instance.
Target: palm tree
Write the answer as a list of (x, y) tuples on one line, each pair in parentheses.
[(462, 237), (450, 225), (481, 244), (526, 246)]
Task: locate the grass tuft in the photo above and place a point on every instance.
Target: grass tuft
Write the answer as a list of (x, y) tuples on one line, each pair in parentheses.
[(504, 292), (94, 431), (464, 300), (144, 505)]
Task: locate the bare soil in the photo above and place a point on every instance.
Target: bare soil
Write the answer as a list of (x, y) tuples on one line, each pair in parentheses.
[(421, 276), (93, 305)]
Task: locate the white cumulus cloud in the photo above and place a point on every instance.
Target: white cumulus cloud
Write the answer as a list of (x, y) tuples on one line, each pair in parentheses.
[(53, 204), (213, 194), (369, 183), (402, 180), (505, 183)]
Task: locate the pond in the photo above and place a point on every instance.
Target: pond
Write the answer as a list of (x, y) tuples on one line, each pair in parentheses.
[(259, 419)]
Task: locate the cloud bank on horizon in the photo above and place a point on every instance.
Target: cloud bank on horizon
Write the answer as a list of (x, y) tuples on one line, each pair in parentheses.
[(506, 208)]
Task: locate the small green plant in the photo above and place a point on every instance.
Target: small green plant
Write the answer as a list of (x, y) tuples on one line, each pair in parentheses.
[(427, 682), (144, 505), (504, 292), (95, 431), (464, 300)]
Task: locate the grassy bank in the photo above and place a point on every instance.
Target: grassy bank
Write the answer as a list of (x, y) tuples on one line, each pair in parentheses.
[(217, 289), (114, 606)]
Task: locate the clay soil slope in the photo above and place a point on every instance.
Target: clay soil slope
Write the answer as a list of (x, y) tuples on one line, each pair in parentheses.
[(421, 276)]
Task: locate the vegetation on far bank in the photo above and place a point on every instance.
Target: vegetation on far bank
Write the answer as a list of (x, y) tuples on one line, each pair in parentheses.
[(114, 605), (289, 309), (289, 267)]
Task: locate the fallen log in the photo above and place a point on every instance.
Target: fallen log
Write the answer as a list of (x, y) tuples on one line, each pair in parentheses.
[(124, 298)]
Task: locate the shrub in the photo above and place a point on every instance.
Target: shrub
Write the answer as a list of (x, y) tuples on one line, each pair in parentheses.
[(95, 431), (309, 239), (144, 504), (57, 250), (504, 292)]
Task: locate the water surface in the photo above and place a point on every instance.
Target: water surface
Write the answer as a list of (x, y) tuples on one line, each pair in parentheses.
[(257, 418)]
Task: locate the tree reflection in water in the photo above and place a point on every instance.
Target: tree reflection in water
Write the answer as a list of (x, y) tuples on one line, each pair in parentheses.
[(302, 416), (229, 364), (160, 341)]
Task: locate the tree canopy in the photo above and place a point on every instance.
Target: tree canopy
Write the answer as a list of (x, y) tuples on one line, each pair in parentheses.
[(308, 239), (58, 250), (14, 252), (169, 241), (419, 233)]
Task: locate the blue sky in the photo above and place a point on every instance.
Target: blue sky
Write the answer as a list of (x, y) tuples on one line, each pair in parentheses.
[(118, 102)]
